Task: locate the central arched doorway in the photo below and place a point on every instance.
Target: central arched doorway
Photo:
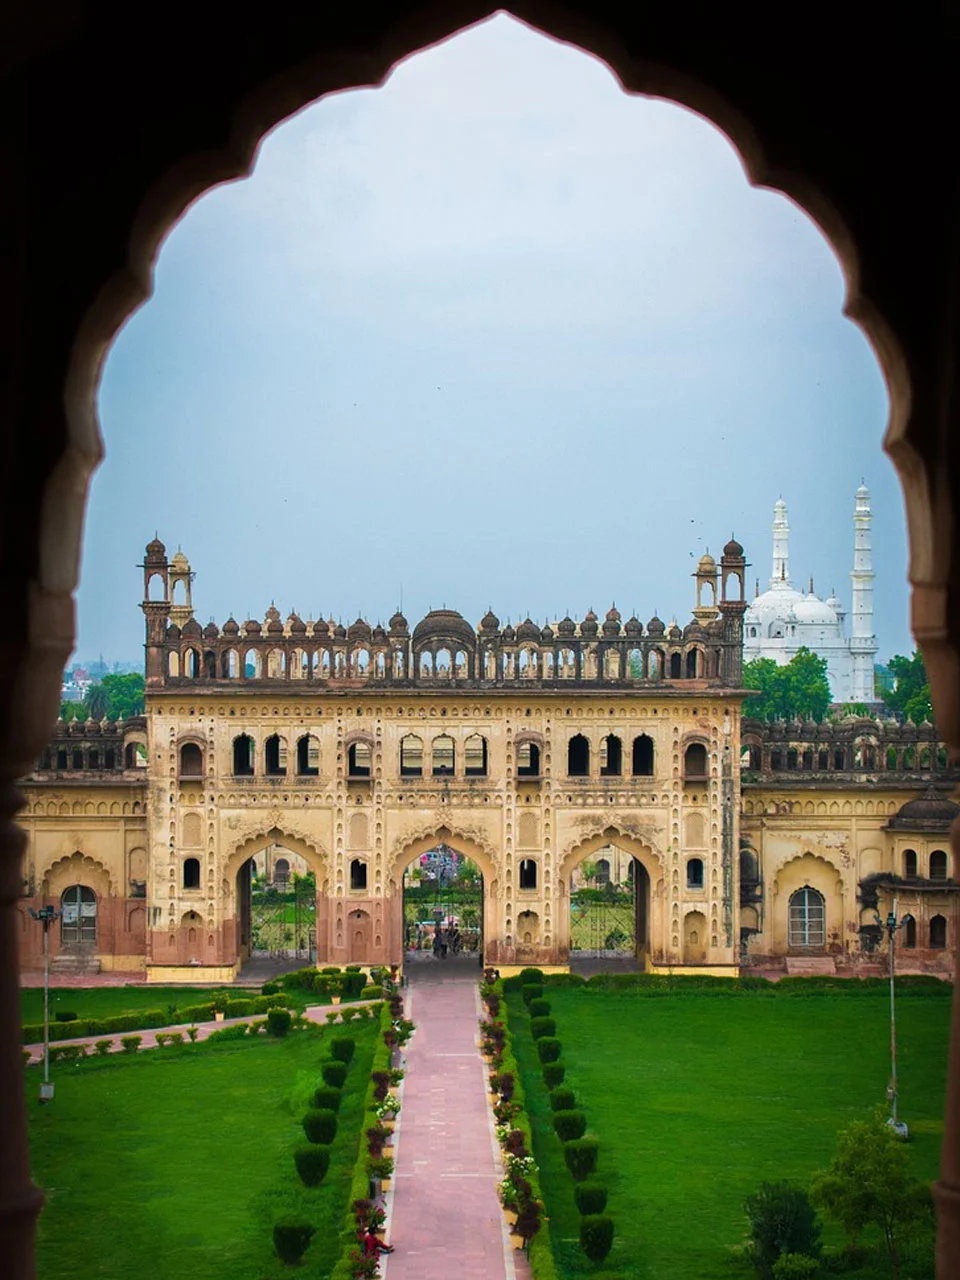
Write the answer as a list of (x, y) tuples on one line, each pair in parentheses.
[(442, 906), (609, 911)]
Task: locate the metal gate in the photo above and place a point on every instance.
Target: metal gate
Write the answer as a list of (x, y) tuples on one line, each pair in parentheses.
[(284, 924), (78, 924), (603, 921), (443, 894)]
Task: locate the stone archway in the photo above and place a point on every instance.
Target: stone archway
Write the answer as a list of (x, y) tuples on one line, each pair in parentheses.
[(650, 931), (82, 264)]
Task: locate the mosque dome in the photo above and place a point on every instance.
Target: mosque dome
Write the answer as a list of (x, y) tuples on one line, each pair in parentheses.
[(929, 812), (155, 549), (733, 550), (528, 630), (489, 621), (231, 627), (566, 627), (398, 624)]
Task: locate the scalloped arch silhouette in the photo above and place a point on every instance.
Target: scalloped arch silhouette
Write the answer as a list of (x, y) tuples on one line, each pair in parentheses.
[(637, 844)]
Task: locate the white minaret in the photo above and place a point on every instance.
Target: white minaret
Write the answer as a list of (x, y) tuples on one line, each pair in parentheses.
[(781, 547), (863, 642)]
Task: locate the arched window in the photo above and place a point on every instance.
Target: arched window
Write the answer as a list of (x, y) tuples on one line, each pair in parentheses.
[(229, 665), (252, 665), (358, 873), (281, 872), (299, 665), (360, 661), (938, 865), (806, 919), (243, 756), (676, 666), (210, 665), (528, 760), (578, 757), (643, 756), (191, 873), (78, 921), (191, 760), (173, 663), (110, 758), (909, 863), (611, 756), (308, 756), (693, 664), (909, 932), (776, 758), (602, 875), (61, 758), (528, 873), (411, 756), (695, 873), (77, 762), (938, 933), (275, 756), (276, 663), (695, 763), (823, 761), (191, 664), (359, 759), (443, 663), (443, 756), (475, 756), (839, 759)]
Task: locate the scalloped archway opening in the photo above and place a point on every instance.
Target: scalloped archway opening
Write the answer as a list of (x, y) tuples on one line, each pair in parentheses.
[(608, 878), (450, 903)]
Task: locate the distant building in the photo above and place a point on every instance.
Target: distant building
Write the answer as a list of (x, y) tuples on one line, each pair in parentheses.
[(783, 619)]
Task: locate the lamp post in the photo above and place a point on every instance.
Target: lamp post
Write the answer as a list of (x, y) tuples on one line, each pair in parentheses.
[(891, 924), (46, 916)]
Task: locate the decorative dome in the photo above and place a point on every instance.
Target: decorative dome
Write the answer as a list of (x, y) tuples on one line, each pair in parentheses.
[(191, 628), (359, 630), (173, 632), (252, 627), (588, 627), (272, 619), (633, 627), (378, 632), (508, 634), (528, 630), (444, 624), (567, 627), (339, 632), (489, 621), (211, 631), (156, 550), (655, 627), (814, 611), (321, 627), (707, 564), (296, 625), (398, 624), (179, 561), (674, 632), (693, 631), (929, 812), (611, 625), (733, 550), (547, 633), (231, 627)]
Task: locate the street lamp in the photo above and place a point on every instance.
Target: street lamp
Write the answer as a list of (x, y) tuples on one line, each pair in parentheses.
[(891, 924), (46, 916)]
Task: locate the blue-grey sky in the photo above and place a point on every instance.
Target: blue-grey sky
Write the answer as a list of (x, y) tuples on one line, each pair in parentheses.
[(493, 334)]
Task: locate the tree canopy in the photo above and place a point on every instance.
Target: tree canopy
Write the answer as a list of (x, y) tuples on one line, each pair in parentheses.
[(115, 697), (910, 695), (798, 691)]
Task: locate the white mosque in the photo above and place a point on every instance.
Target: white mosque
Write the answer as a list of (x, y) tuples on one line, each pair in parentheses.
[(782, 620)]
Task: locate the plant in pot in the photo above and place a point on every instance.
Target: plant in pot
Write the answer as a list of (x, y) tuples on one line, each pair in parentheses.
[(381, 1167), (219, 1005), (506, 1112), (381, 1083), (387, 1112), (376, 1140), (363, 1266)]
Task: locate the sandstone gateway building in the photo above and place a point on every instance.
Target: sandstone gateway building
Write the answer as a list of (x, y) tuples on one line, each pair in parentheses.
[(528, 750)]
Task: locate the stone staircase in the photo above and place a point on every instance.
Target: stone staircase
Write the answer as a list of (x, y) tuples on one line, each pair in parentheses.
[(806, 966), (75, 960)]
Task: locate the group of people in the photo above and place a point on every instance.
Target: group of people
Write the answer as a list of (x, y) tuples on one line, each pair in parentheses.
[(447, 941)]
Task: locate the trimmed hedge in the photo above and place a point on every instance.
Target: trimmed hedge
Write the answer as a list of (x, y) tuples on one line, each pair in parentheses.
[(539, 1008), (540, 1027), (580, 1155), (553, 1073), (327, 1098), (549, 1049), (342, 1048), (532, 991), (562, 1099), (320, 1126), (569, 1125), (352, 984), (334, 1073), (290, 1240), (279, 1022), (596, 1236), (312, 1164), (591, 1197), (147, 1019)]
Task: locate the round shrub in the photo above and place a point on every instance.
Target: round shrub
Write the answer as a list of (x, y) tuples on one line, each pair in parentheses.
[(553, 1073), (278, 1022), (539, 1008), (591, 1197), (290, 1240), (548, 1049), (596, 1236), (270, 988), (530, 975), (580, 1155), (540, 1027), (327, 1098), (782, 1220), (352, 985), (320, 1126), (312, 1164), (532, 991), (334, 1073), (569, 1125), (562, 1099), (342, 1048)]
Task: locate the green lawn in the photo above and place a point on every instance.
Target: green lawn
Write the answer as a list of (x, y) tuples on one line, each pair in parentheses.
[(177, 1162), (697, 1099), (106, 1002)]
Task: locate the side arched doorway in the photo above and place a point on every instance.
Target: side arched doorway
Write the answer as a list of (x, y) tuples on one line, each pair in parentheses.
[(609, 911), (78, 922), (276, 922)]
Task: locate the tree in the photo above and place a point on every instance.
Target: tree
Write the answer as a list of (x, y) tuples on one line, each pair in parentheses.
[(782, 1221), (910, 695), (799, 690), (116, 697), (97, 702), (869, 1184)]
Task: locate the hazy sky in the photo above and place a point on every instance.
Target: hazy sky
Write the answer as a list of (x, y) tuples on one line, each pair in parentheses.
[(494, 334)]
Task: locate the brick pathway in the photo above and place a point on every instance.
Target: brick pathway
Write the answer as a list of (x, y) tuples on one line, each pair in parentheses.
[(445, 1218)]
